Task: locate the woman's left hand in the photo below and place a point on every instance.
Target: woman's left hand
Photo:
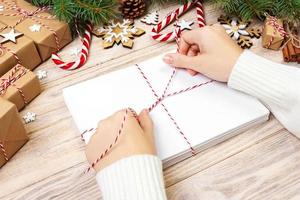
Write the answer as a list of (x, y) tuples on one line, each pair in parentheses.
[(136, 138)]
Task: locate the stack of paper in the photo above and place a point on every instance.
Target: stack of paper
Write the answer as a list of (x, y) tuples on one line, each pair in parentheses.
[(207, 115)]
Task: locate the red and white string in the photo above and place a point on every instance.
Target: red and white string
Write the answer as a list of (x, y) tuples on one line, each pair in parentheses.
[(273, 21), (3, 151), (17, 72)]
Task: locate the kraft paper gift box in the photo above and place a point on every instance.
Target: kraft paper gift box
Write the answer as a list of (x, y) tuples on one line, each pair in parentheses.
[(270, 33), (44, 39), (19, 86), (12, 132), (24, 49)]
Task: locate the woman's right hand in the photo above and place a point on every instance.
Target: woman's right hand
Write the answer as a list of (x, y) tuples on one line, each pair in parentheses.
[(208, 50)]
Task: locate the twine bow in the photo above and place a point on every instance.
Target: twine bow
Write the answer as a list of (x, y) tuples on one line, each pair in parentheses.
[(11, 79), (293, 38), (277, 27)]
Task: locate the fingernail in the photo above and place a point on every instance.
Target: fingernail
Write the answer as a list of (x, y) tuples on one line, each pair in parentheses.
[(168, 59), (145, 111)]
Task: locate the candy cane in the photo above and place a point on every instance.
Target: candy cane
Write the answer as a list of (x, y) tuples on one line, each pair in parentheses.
[(156, 35), (83, 55)]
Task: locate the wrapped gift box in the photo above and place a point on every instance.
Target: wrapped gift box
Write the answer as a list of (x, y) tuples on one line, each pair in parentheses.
[(49, 34), (24, 49), (12, 132), (19, 86), (272, 36)]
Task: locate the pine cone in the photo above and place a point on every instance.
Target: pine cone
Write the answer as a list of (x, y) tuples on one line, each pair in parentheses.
[(132, 9)]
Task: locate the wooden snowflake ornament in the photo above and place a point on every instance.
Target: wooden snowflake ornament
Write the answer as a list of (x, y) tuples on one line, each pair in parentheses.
[(118, 32), (239, 30)]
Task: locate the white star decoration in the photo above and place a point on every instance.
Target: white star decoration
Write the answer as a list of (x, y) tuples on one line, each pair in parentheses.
[(41, 74), (35, 28), (235, 30), (185, 25), (75, 51), (29, 117), (10, 36), (1, 8)]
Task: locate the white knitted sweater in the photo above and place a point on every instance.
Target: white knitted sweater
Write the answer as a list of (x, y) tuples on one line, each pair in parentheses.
[(277, 86)]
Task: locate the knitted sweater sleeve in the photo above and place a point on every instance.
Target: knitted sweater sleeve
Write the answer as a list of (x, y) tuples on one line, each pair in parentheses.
[(275, 85), (133, 178)]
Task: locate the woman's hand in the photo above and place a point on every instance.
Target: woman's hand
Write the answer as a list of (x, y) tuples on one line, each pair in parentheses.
[(208, 50), (137, 138)]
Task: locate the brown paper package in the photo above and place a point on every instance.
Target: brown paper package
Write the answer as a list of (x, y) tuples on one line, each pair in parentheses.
[(30, 86), (268, 33), (25, 50), (12, 132), (44, 39)]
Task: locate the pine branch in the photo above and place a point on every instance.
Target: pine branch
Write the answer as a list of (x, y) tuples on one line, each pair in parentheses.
[(94, 11), (288, 10)]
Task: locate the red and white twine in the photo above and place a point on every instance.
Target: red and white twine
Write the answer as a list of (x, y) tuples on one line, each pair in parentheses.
[(86, 42), (3, 151), (17, 72), (167, 37), (120, 131), (159, 101), (273, 21), (3, 48), (161, 37)]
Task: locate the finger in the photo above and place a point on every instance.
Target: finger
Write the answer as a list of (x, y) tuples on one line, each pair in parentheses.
[(183, 61), (192, 72), (192, 52), (192, 37), (187, 40), (146, 121), (184, 46)]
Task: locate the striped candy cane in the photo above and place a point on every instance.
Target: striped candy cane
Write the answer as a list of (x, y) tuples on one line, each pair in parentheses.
[(167, 37), (86, 42)]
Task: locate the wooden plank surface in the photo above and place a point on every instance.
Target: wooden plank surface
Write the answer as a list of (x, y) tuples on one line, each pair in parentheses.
[(261, 163)]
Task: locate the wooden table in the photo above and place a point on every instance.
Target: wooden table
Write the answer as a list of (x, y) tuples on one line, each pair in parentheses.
[(261, 163)]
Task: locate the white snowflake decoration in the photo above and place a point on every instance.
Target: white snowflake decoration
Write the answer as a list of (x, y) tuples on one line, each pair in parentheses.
[(235, 30), (41, 74), (151, 19), (29, 117), (75, 51), (1, 8), (35, 28), (185, 25)]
